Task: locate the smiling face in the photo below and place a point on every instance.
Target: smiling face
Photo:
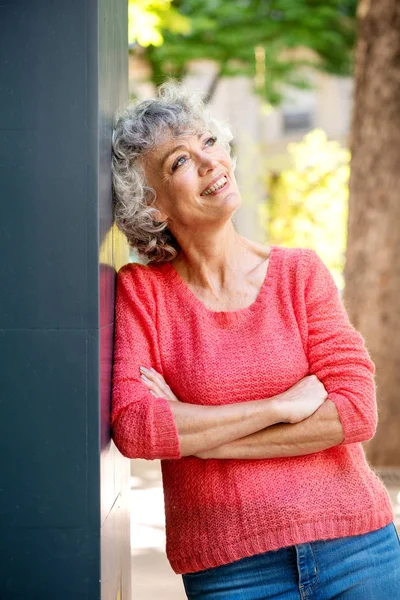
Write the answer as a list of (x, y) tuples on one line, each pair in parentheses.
[(193, 178)]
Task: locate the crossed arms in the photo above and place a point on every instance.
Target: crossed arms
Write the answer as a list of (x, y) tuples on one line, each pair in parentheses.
[(299, 421)]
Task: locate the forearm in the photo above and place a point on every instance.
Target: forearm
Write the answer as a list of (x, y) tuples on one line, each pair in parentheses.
[(318, 432), (202, 428)]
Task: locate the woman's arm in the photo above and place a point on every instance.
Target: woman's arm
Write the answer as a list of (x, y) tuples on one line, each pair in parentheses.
[(198, 428), (142, 426), (320, 431), (201, 428), (337, 353), (209, 428)]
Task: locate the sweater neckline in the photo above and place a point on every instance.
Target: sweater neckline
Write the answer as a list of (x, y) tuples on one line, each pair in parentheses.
[(228, 315)]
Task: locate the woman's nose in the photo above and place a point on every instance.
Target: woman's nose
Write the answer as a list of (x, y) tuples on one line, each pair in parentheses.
[(206, 163)]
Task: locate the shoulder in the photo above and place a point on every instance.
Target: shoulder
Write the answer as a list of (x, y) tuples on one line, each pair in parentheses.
[(145, 275), (142, 283), (302, 267), (302, 257), (296, 258), (293, 258)]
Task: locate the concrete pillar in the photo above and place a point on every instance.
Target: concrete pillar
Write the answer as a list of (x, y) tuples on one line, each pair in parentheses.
[(63, 490)]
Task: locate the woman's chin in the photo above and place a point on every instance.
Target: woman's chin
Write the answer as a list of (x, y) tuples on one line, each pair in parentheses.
[(231, 200), (230, 203)]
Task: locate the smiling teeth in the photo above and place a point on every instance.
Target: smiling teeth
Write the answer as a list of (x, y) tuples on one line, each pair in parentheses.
[(217, 185)]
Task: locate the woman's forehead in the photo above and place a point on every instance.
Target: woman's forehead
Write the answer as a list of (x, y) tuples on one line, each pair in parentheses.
[(169, 137), (168, 142)]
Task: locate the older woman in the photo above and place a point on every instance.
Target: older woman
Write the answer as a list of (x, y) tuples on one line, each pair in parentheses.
[(237, 366)]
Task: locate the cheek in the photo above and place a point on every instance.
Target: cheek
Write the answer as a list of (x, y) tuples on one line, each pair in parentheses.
[(176, 193), (225, 158), (185, 182)]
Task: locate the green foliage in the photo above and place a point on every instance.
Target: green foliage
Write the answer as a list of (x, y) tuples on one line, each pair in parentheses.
[(308, 204), (227, 31)]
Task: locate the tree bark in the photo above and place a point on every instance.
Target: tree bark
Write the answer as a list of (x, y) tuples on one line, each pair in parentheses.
[(372, 271)]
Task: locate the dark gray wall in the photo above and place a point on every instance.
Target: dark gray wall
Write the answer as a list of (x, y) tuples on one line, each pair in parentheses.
[(64, 522)]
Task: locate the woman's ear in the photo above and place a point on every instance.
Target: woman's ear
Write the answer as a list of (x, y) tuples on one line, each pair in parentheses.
[(159, 216)]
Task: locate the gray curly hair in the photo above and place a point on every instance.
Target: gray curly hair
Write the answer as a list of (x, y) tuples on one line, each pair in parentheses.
[(138, 129)]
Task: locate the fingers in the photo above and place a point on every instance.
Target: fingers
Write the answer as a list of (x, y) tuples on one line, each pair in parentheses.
[(153, 385), (156, 384)]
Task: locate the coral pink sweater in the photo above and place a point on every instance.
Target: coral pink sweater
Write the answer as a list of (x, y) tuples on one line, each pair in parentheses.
[(218, 511)]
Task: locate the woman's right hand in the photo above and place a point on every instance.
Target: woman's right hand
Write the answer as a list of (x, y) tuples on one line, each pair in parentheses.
[(301, 400), (156, 384)]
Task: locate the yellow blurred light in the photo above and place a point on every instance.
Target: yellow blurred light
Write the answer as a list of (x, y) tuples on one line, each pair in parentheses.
[(147, 18)]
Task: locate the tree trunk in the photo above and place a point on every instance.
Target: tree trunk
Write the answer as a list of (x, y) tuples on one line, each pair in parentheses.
[(372, 272)]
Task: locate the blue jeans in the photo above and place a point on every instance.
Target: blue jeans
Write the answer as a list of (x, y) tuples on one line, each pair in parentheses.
[(360, 567)]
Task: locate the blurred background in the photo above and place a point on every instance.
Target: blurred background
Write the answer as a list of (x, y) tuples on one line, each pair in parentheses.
[(310, 89)]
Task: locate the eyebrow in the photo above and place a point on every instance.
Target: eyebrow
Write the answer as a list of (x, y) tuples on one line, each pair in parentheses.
[(164, 158)]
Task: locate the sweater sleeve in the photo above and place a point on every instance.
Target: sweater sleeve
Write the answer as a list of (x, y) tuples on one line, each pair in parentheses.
[(338, 356), (142, 426)]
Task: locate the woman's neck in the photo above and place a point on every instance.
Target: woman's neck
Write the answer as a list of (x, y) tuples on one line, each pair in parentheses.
[(213, 259)]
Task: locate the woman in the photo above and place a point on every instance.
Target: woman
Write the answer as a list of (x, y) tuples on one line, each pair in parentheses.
[(236, 364)]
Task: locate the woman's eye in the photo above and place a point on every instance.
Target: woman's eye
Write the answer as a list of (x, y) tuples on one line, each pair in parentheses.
[(182, 159), (178, 162), (211, 139)]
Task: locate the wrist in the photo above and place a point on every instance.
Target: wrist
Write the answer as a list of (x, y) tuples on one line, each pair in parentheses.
[(279, 409)]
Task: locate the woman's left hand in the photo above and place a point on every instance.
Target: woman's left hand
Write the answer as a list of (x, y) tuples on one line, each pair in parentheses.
[(157, 385)]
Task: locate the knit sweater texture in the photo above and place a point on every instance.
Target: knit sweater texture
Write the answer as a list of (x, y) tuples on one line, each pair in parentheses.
[(220, 510)]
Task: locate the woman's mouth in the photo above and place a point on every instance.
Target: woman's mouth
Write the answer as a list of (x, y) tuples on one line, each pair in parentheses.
[(217, 187)]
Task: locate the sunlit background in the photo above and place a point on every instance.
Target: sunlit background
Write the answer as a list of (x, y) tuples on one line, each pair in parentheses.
[(281, 74)]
